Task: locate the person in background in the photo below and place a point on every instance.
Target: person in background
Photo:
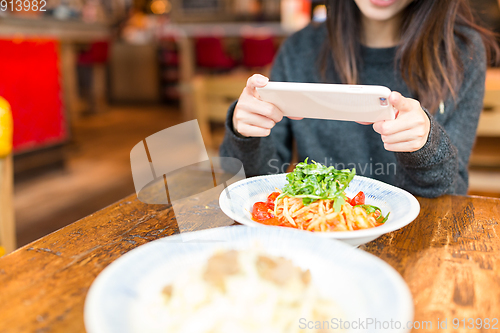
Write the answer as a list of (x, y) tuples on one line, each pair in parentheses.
[(431, 55)]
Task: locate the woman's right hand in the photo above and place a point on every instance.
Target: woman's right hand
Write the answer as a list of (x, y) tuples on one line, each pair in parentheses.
[(252, 116)]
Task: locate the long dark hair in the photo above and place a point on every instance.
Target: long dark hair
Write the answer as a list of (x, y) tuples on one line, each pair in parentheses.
[(427, 53)]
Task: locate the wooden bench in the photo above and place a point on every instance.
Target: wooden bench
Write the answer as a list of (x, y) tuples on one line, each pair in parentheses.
[(212, 97)]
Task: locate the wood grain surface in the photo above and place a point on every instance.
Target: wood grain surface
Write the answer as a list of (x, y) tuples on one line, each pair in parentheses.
[(7, 223), (449, 257)]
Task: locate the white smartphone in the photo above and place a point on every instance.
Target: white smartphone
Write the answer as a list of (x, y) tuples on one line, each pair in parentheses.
[(361, 103)]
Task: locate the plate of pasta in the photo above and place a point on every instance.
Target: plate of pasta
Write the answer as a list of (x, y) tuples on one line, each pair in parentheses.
[(317, 198)]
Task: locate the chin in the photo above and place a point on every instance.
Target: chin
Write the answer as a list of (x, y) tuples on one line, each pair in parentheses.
[(372, 11), (379, 15)]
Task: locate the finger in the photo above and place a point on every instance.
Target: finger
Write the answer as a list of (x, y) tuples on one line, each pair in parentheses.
[(256, 81), (295, 118), (255, 119), (404, 136), (389, 127), (401, 103), (267, 110), (408, 147), (249, 104), (253, 131), (363, 123)]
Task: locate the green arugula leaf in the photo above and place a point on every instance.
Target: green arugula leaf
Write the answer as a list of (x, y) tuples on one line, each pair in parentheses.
[(385, 218), (337, 204), (315, 181), (372, 209), (369, 208)]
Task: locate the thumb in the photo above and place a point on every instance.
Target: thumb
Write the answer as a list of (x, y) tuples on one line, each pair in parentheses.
[(399, 102), (256, 81)]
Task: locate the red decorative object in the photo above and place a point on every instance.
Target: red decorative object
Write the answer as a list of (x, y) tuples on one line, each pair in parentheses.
[(210, 53), (30, 82), (96, 54), (258, 52)]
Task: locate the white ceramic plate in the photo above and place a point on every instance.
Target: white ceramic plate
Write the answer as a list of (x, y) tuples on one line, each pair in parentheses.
[(238, 199), (125, 297)]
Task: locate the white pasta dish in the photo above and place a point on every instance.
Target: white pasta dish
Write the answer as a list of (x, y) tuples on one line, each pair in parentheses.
[(314, 199), (245, 291)]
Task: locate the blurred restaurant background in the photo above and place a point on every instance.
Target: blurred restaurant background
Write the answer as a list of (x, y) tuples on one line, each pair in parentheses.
[(88, 79)]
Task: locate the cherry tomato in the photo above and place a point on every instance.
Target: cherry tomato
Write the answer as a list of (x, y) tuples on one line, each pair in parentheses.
[(260, 212), (271, 199), (359, 199), (271, 221)]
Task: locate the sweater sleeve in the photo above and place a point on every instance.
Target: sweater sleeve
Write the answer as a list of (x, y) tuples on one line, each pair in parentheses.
[(261, 155), (441, 165)]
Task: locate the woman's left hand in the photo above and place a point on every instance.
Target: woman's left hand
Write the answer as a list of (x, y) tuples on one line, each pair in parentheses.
[(409, 131)]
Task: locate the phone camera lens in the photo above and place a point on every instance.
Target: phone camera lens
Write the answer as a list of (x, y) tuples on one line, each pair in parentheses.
[(383, 101)]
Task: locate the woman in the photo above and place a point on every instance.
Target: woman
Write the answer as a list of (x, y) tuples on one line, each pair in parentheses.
[(429, 53)]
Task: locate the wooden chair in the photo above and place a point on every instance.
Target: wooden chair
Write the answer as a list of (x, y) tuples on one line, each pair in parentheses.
[(212, 97), (96, 58), (7, 225), (489, 123)]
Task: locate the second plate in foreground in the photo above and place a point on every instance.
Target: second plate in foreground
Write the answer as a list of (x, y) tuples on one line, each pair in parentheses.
[(127, 297)]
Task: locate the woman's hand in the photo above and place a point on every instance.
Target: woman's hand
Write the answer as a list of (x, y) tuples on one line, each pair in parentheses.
[(253, 117), (409, 131)]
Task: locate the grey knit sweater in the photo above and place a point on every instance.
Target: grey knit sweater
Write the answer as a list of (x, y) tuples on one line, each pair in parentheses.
[(439, 167)]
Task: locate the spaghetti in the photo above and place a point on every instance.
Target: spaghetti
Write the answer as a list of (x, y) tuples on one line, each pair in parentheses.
[(314, 200), (318, 216)]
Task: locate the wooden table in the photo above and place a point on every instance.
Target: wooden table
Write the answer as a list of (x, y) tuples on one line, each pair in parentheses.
[(449, 256)]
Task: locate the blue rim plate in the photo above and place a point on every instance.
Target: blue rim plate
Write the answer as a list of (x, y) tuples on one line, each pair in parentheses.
[(236, 201), (125, 297)]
